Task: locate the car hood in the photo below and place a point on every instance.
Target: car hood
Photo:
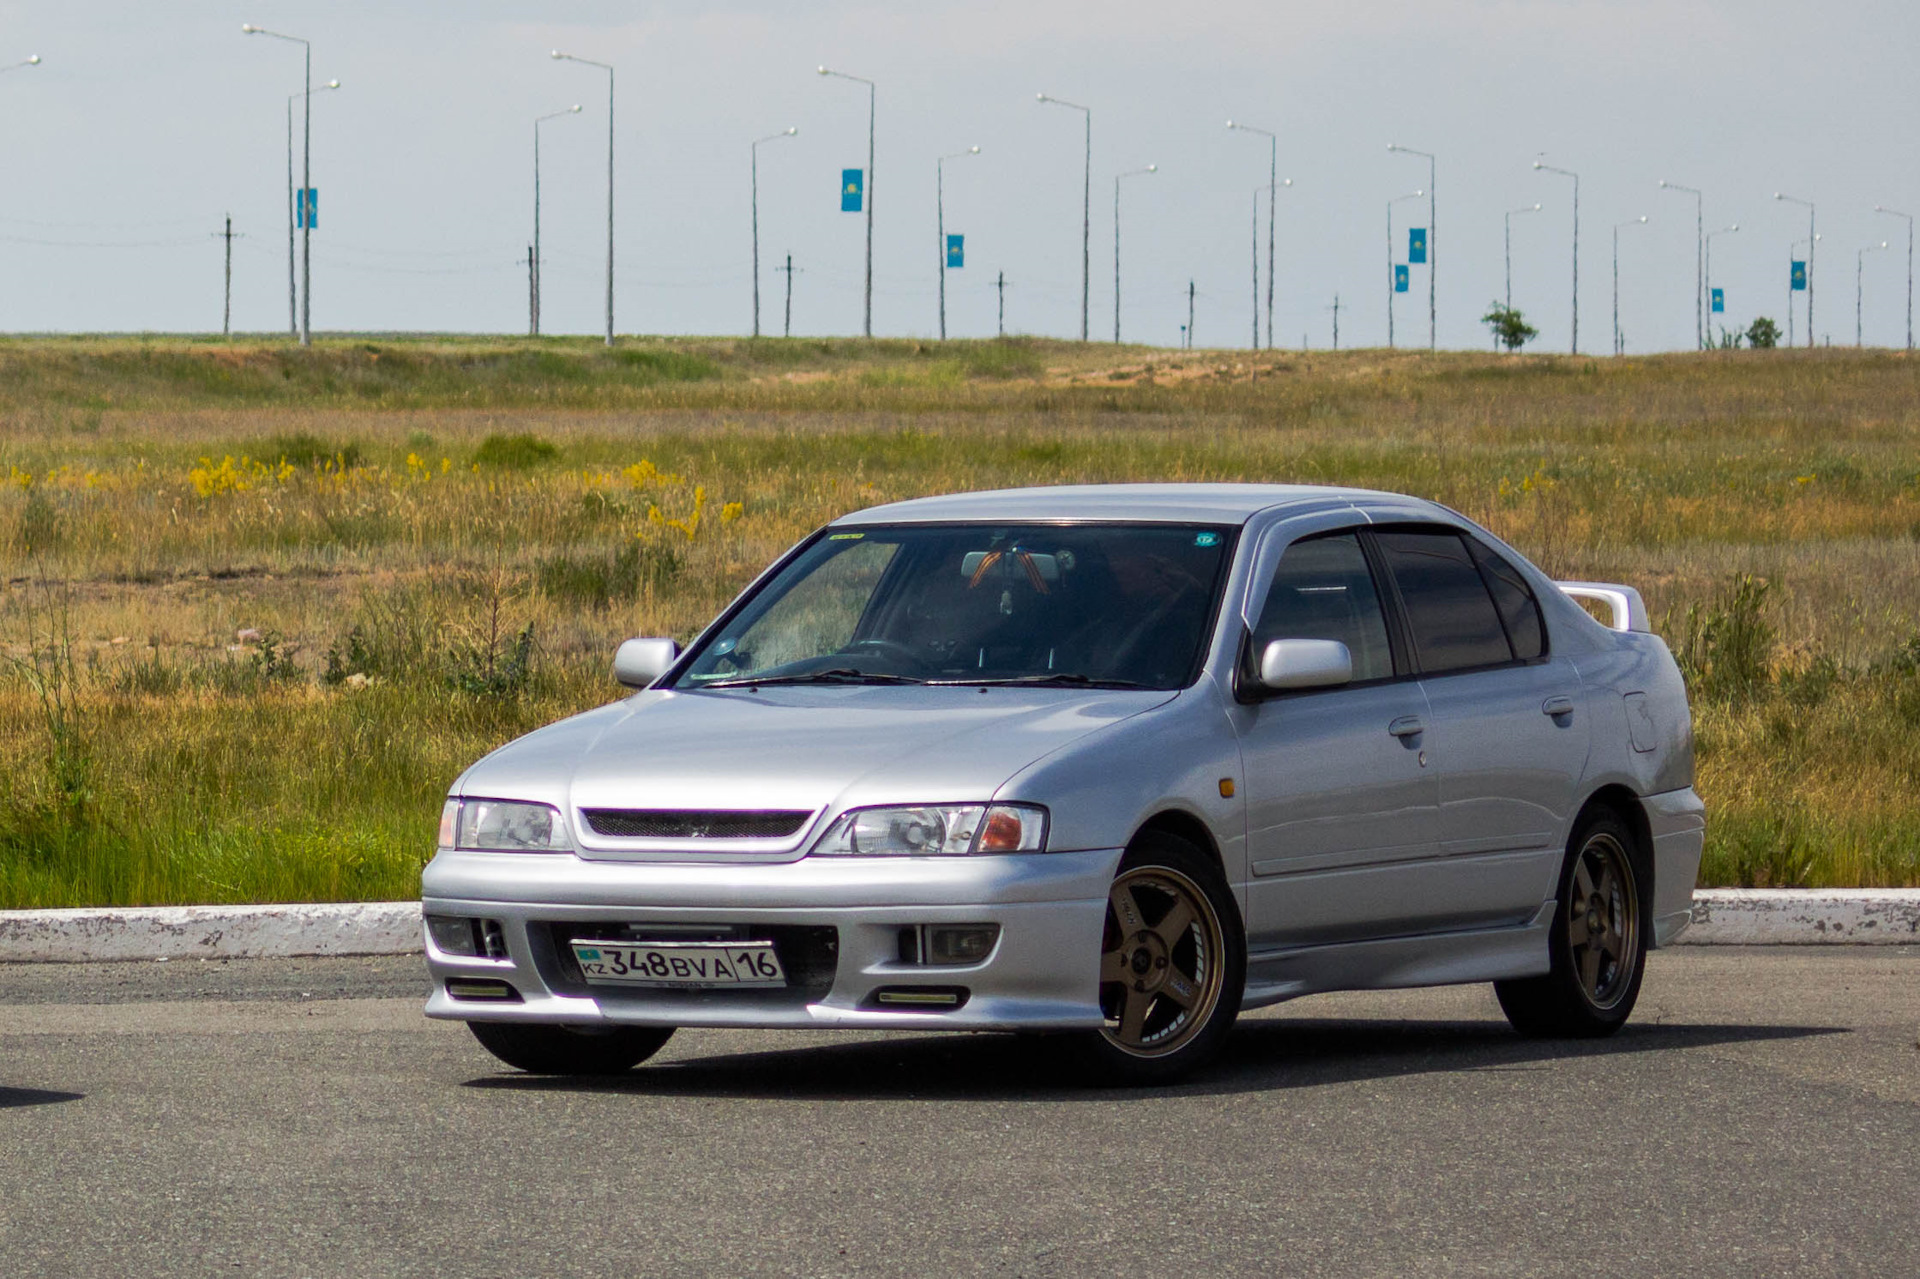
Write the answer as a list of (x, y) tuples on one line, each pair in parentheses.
[(817, 750)]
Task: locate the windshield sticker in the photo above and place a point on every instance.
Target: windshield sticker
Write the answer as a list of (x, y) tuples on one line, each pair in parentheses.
[(1206, 539), (845, 537)]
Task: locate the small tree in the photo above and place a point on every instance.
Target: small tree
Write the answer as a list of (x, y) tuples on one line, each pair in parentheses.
[(1510, 327), (1763, 334)]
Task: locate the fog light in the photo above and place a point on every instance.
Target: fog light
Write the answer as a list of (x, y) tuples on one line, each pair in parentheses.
[(960, 943), (454, 934), (922, 998)]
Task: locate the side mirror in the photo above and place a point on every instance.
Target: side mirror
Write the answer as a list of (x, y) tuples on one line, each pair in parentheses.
[(1305, 663), (639, 662)]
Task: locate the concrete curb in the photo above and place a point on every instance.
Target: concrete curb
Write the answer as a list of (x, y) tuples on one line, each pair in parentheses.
[(1805, 916), (1721, 917), (210, 932)]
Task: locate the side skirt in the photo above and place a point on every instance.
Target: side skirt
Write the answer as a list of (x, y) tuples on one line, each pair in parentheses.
[(1434, 959)]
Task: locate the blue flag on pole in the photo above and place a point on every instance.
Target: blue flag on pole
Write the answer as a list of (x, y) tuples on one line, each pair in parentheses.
[(1719, 301), (852, 185), (306, 211), (1400, 274), (1417, 244), (956, 251), (1799, 277)]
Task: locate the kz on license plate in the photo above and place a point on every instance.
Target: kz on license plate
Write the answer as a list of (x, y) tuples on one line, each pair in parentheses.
[(684, 964)]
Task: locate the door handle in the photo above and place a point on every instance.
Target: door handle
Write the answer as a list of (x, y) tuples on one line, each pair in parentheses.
[(1557, 706), (1407, 726)]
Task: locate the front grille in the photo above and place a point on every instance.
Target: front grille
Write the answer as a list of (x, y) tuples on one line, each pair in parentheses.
[(695, 823), (809, 954)]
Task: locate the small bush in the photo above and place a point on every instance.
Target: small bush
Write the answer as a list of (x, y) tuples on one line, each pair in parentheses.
[(1723, 649), (664, 366), (600, 580), (515, 452)]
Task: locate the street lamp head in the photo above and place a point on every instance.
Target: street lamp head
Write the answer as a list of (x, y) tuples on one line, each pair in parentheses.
[(1643, 217), (1039, 97), (335, 84), (821, 71), (1779, 196), (1536, 206), (1539, 165), (33, 59), (1286, 182), (575, 108), (1230, 124), (247, 28), (791, 129), (973, 150), (1153, 168), (555, 53)]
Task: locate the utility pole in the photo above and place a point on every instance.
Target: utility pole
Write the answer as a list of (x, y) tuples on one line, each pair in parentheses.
[(558, 56), (1813, 240), (1273, 191), (1881, 208), (940, 223), (786, 329), (226, 313), (1569, 173), (1000, 285), (1433, 255), (866, 195), (1190, 315), (533, 294), (1335, 308), (755, 156)]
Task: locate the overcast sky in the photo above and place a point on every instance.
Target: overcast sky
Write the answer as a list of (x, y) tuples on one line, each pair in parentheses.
[(146, 123)]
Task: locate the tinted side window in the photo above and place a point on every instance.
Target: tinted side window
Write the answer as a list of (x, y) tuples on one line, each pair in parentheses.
[(1452, 616), (1322, 590), (1514, 598)]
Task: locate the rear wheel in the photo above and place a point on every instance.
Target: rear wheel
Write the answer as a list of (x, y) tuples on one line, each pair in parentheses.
[(1172, 965), (1598, 942), (566, 1050)]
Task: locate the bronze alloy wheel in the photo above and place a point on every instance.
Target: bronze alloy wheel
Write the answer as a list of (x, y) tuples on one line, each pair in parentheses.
[(1162, 962), (1603, 920)]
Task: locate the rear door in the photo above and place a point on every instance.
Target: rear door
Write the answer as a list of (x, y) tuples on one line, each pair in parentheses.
[(1510, 733)]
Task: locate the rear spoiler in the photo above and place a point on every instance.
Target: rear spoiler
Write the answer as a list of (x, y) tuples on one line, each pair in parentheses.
[(1628, 611)]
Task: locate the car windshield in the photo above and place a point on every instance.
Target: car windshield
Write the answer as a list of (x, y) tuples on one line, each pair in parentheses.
[(1101, 605)]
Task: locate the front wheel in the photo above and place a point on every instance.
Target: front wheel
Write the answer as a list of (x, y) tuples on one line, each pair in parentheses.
[(563, 1050), (1598, 943), (1173, 965)]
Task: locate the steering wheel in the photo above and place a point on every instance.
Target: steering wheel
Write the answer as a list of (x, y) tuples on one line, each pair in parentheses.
[(891, 649)]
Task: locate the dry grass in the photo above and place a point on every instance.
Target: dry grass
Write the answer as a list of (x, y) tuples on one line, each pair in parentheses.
[(374, 500)]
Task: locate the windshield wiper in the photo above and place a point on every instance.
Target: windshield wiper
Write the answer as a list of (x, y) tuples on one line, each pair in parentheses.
[(1054, 679), (834, 675)]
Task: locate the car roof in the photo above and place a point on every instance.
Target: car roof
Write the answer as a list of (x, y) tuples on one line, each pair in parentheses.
[(1201, 503)]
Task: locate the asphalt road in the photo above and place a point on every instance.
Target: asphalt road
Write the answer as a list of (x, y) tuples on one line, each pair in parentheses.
[(1760, 1116)]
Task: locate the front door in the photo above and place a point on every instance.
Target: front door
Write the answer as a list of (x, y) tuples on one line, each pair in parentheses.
[(1341, 801)]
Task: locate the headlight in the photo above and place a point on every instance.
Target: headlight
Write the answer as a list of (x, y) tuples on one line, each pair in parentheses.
[(500, 826), (936, 830)]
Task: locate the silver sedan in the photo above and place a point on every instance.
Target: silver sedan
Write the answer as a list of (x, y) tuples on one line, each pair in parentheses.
[(1107, 762)]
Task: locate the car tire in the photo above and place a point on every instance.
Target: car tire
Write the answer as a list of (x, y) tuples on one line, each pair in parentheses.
[(564, 1050), (1173, 966), (1597, 942)]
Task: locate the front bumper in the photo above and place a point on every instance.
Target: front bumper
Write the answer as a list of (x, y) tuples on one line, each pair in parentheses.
[(1041, 974)]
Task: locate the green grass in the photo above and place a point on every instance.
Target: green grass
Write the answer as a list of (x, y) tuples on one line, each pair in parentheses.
[(439, 542)]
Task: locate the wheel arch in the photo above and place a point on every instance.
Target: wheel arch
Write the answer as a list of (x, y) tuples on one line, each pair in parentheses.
[(1182, 825), (1623, 803)]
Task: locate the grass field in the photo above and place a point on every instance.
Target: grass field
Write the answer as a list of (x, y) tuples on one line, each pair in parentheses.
[(262, 604)]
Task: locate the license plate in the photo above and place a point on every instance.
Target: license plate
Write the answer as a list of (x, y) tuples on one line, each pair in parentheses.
[(696, 964)]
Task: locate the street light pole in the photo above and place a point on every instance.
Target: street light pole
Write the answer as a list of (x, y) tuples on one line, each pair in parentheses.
[(1812, 240), (755, 152), (1569, 173), (1881, 208), (1708, 241), (293, 294), (533, 298), (1619, 344), (940, 206), (1273, 190), (1086, 215), (306, 181), (1859, 270), (1531, 208), (1131, 173), (1699, 260), (1792, 249), (606, 67), (1411, 195), (1433, 256), (866, 198)]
